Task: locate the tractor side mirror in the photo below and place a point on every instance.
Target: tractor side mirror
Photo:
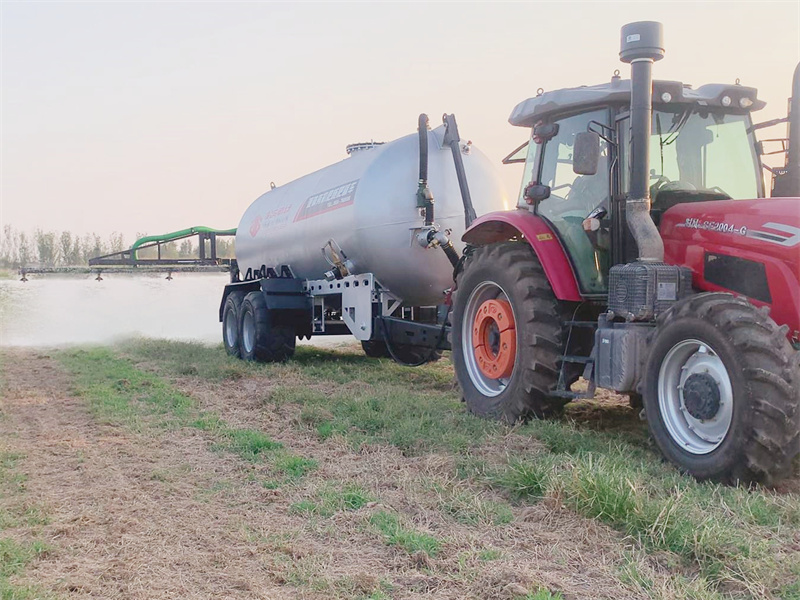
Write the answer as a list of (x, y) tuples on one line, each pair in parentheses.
[(586, 153), (536, 192)]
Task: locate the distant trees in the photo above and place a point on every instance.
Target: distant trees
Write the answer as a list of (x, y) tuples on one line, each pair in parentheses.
[(64, 249)]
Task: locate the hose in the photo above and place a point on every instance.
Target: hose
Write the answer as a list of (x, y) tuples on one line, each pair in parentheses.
[(430, 354)]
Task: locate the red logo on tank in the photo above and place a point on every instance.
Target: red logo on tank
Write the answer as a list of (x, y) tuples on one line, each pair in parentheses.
[(255, 226)]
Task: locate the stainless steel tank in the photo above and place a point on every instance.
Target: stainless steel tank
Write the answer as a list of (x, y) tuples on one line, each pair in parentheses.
[(367, 204)]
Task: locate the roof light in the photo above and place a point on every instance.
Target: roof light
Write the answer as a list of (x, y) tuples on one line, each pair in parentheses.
[(745, 102), (666, 97), (726, 101)]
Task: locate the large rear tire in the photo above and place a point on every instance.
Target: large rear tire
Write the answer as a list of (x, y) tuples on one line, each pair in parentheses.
[(261, 339), (722, 389), (230, 323), (507, 365)]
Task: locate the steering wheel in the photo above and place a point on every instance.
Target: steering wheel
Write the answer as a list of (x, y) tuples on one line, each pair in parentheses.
[(660, 182)]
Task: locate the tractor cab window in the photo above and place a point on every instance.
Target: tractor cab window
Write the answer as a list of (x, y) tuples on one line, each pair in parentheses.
[(575, 197), (698, 156)]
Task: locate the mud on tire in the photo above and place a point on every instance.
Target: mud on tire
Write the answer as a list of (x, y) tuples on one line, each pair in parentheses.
[(262, 339), (764, 373), (513, 268)]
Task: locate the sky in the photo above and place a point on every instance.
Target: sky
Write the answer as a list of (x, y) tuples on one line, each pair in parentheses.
[(156, 116)]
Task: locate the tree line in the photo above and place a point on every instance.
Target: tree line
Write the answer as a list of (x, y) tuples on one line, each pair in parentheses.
[(67, 249)]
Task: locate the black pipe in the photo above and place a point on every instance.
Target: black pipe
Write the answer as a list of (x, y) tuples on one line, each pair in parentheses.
[(422, 128), (424, 195), (452, 139), (451, 253), (642, 44), (641, 119)]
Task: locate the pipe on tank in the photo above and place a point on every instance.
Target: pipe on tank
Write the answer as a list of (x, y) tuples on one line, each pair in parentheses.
[(424, 194), (452, 139), (641, 45)]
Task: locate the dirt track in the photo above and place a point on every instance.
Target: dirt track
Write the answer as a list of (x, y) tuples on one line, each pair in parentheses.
[(159, 514)]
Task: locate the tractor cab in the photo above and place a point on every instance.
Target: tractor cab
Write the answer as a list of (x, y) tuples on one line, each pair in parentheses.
[(702, 148)]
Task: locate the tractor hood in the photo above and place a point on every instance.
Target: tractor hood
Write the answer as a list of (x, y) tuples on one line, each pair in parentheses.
[(748, 247)]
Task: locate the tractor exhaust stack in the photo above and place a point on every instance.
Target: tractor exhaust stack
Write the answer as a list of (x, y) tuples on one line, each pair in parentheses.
[(642, 44)]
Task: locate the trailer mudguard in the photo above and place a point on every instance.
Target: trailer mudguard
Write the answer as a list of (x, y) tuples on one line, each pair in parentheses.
[(506, 225), (283, 294)]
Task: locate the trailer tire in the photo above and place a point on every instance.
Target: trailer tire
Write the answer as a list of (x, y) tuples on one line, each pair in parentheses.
[(230, 323), (757, 373), (261, 339), (509, 271)]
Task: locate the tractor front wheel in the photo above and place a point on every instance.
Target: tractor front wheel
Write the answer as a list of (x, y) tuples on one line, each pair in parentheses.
[(507, 334), (721, 391)]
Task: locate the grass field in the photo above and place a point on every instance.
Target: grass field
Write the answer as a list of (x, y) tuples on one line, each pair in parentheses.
[(165, 469)]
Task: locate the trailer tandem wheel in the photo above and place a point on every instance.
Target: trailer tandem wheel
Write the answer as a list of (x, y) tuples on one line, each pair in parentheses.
[(261, 337), (230, 323)]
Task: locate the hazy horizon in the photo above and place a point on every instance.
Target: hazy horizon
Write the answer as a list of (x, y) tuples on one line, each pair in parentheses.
[(153, 117)]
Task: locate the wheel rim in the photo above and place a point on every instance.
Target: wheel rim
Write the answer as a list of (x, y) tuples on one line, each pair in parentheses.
[(695, 396), (248, 331), (494, 339), (230, 329), (486, 379)]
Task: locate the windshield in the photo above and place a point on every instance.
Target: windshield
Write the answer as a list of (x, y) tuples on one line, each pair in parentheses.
[(701, 156)]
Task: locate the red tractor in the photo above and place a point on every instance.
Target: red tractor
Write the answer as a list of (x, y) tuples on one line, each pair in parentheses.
[(638, 259)]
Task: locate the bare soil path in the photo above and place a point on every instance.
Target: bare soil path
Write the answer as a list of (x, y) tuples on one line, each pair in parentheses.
[(160, 514)]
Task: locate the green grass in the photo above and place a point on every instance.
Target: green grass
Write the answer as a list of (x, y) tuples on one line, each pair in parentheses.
[(596, 461), (120, 393), (14, 557), (16, 512), (362, 399), (525, 479), (330, 500), (541, 594), (389, 526)]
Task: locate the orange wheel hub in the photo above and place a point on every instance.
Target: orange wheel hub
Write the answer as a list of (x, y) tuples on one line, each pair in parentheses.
[(494, 339)]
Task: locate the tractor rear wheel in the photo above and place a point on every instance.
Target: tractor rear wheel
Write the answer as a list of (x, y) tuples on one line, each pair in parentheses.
[(721, 390), (261, 339), (230, 323), (507, 334)]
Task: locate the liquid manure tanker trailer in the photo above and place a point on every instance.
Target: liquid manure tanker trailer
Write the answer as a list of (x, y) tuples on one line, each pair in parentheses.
[(642, 256)]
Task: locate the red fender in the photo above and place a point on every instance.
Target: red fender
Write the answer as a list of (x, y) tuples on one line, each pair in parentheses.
[(502, 226)]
